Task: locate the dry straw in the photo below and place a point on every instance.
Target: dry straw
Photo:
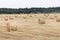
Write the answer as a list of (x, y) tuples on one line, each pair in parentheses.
[(6, 19), (58, 19), (41, 21), (10, 28), (46, 15), (24, 17)]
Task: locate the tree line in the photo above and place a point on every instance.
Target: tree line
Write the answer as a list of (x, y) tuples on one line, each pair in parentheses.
[(28, 10)]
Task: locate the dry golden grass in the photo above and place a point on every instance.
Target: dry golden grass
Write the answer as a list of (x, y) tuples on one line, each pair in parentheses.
[(29, 26)]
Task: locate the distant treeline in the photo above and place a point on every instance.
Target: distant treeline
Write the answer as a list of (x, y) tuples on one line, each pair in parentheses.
[(28, 10)]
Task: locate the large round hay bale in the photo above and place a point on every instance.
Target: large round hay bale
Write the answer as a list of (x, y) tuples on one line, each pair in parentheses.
[(41, 21)]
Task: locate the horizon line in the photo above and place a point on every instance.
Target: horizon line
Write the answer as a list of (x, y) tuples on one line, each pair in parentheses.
[(30, 7)]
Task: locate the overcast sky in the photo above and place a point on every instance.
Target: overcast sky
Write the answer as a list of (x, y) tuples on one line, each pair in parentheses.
[(28, 3)]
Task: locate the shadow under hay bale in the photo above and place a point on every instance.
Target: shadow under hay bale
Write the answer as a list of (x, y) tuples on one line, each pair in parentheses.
[(6, 19), (11, 18), (8, 27)]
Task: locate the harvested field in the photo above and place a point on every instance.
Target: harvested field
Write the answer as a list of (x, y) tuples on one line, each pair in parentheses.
[(29, 26)]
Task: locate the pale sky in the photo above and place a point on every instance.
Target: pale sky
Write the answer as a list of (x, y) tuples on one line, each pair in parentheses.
[(29, 3)]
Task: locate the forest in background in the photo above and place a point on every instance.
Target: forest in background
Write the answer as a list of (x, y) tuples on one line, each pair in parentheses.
[(29, 10)]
